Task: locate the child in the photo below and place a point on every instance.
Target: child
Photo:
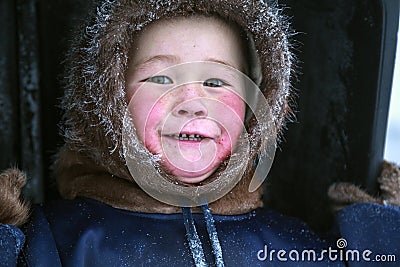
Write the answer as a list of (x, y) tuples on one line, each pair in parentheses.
[(158, 108)]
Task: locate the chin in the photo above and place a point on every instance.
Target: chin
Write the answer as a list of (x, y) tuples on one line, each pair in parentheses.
[(193, 177), (193, 180)]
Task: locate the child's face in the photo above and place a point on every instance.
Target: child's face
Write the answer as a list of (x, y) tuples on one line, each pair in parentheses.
[(195, 126)]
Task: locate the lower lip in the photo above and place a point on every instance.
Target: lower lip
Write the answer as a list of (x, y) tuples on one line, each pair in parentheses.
[(189, 142)]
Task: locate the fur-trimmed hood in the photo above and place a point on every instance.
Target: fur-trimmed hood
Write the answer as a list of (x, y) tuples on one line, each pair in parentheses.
[(92, 162)]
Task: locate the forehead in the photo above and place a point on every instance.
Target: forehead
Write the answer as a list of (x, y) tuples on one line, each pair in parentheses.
[(182, 40)]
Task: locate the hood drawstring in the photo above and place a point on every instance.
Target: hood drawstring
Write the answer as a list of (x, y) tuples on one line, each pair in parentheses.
[(212, 234), (194, 240)]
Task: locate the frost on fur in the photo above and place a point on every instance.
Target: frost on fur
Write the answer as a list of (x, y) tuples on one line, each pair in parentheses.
[(343, 194), (13, 210)]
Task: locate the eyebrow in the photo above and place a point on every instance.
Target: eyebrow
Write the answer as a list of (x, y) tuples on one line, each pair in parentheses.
[(154, 59), (175, 60), (223, 62)]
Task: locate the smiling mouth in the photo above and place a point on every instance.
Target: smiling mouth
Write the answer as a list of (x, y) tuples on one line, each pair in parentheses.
[(188, 137)]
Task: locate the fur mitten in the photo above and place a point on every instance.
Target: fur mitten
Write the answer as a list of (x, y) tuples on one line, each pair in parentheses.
[(13, 210), (343, 194)]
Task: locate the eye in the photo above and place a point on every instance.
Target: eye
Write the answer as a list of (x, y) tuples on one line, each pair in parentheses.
[(159, 79), (214, 82)]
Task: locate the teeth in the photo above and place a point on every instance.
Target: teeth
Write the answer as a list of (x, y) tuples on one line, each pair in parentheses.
[(188, 137)]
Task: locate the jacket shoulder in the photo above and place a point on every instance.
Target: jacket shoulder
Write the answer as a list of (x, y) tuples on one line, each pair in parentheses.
[(373, 229), (40, 247), (11, 241)]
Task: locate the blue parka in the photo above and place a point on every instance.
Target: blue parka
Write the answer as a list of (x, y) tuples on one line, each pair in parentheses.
[(85, 232)]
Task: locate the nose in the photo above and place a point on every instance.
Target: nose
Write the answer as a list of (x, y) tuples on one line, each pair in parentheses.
[(191, 108), (191, 102)]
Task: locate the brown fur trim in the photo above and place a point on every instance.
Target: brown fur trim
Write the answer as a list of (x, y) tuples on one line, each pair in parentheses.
[(13, 210), (389, 183), (79, 176), (343, 194)]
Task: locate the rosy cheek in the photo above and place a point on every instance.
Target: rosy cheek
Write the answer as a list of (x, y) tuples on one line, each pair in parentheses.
[(238, 106), (235, 104), (147, 113), (234, 122), (151, 125)]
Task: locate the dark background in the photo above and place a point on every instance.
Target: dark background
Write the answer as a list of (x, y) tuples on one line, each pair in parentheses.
[(346, 52)]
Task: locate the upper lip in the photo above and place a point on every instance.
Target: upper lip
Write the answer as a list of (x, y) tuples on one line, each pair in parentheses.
[(194, 128)]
